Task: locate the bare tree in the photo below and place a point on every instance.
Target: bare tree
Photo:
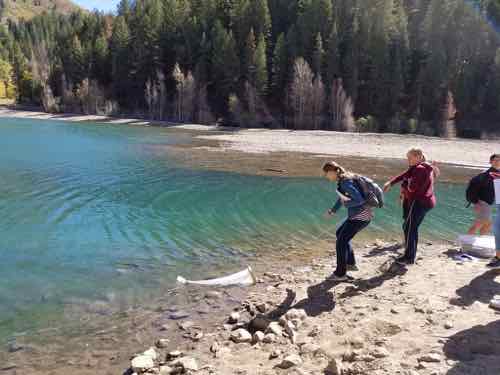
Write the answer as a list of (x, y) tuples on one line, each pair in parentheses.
[(189, 96), (448, 111), (162, 92), (185, 96), (301, 91), (151, 95), (317, 101), (341, 108), (179, 99), (92, 98)]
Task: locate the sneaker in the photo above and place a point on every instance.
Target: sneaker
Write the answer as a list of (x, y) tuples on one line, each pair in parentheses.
[(352, 267), (334, 277), (495, 263)]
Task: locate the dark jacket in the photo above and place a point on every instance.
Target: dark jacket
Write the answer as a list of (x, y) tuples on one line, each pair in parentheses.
[(418, 184), (487, 191)]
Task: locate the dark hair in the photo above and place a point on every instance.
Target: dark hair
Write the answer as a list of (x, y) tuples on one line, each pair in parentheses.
[(492, 157), (342, 173)]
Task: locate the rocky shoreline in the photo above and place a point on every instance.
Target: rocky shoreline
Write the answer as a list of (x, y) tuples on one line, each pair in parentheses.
[(430, 319)]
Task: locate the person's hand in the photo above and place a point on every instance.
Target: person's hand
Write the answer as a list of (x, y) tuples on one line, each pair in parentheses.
[(435, 168), (328, 214), (387, 186)]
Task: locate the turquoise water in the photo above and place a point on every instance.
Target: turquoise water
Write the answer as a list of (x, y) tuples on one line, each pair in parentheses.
[(92, 212)]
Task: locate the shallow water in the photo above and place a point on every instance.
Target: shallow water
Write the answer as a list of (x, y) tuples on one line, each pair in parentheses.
[(94, 217)]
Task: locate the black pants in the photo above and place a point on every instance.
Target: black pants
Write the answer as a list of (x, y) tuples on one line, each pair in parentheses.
[(413, 215), (345, 233)]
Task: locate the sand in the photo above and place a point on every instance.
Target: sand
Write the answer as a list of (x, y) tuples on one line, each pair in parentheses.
[(463, 152)]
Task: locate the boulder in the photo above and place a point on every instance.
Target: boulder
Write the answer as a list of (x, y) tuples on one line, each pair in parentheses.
[(162, 343), (430, 358), (234, 318), (380, 352), (258, 336), (166, 370), (241, 335), (269, 338), (259, 323), (290, 361), (142, 363), (275, 328), (186, 363), (334, 367)]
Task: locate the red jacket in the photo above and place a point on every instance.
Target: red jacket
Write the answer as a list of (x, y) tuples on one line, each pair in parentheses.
[(418, 184)]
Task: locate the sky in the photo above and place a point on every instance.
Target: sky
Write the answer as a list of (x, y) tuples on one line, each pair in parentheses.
[(105, 5)]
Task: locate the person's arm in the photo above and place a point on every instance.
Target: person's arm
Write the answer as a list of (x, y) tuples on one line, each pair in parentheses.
[(356, 198), (435, 169), (398, 179), (336, 207), (393, 181)]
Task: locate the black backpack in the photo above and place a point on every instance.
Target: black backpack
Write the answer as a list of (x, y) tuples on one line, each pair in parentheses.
[(372, 192), (473, 191)]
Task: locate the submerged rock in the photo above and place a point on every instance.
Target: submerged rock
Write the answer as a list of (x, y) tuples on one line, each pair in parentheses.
[(177, 315), (213, 295)]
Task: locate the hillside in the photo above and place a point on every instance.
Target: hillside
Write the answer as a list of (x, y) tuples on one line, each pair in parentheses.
[(27, 9)]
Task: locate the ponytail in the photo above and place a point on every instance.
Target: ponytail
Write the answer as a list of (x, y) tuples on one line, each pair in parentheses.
[(341, 172)]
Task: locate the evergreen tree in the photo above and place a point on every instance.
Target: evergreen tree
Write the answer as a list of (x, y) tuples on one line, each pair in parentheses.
[(280, 66), (225, 67), (119, 51)]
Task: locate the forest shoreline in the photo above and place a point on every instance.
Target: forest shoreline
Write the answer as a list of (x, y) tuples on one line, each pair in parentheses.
[(387, 146)]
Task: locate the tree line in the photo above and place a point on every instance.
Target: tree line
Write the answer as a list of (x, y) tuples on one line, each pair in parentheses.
[(405, 66)]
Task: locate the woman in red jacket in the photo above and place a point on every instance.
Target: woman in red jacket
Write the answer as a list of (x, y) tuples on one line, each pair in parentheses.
[(418, 199)]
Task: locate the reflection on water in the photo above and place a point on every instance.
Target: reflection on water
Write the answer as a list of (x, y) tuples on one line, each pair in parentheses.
[(94, 219)]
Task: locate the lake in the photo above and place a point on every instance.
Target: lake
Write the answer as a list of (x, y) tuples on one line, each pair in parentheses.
[(93, 212)]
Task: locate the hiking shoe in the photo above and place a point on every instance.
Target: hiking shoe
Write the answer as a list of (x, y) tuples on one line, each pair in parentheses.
[(334, 277), (352, 267), (495, 263)]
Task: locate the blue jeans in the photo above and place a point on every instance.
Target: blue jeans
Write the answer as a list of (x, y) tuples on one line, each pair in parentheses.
[(345, 233), (414, 217), (496, 228)]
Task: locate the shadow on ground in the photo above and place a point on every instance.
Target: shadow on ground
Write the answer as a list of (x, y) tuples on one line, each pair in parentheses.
[(476, 350), (321, 298), (383, 250), (483, 288)]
